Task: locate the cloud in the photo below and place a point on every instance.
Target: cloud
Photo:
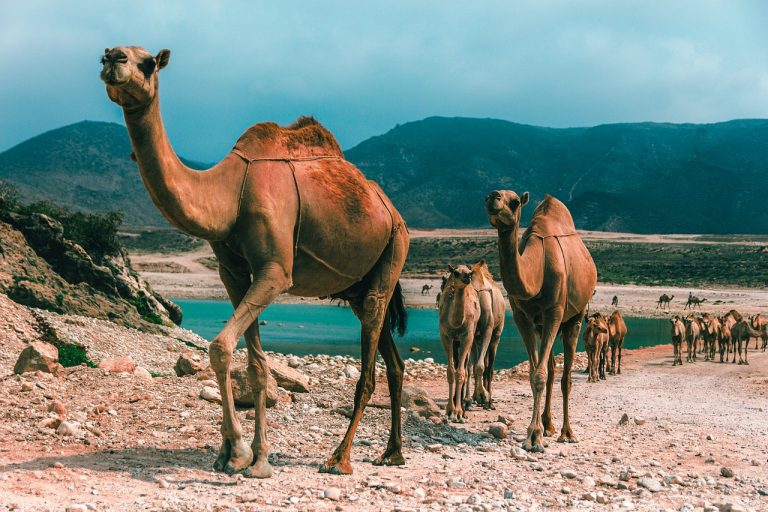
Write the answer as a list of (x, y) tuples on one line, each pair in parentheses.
[(362, 67)]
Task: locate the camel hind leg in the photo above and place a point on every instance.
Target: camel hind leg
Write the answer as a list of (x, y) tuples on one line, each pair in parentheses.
[(570, 338), (490, 361), (371, 305), (393, 455)]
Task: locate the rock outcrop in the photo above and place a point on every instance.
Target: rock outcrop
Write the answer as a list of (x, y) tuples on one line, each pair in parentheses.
[(38, 356)]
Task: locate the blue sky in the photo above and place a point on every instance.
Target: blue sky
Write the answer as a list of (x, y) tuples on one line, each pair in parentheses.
[(363, 67)]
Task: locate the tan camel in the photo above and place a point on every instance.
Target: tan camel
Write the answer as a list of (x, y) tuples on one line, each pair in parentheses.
[(664, 300), (693, 301), (459, 312), (692, 333), (283, 212), (678, 335), (741, 332), (549, 276), (728, 342), (595, 340), (617, 330), (488, 333), (760, 324)]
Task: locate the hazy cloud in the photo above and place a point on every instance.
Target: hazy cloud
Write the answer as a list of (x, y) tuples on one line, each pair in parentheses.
[(362, 67)]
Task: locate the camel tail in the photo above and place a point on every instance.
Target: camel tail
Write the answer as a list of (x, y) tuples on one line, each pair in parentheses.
[(398, 317)]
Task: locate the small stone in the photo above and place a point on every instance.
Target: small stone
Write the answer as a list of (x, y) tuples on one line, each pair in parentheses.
[(649, 483), (351, 372), (588, 481), (624, 419), (509, 494), (730, 507), (57, 465), (163, 483), (332, 493), (118, 364), (498, 430), (726, 472), (210, 394), (601, 498), (27, 386), (710, 460), (589, 496), (518, 453), (568, 474), (639, 421), (68, 428), (77, 507), (38, 355), (142, 373), (624, 476), (710, 437), (474, 499), (565, 490), (58, 408), (419, 493), (627, 505)]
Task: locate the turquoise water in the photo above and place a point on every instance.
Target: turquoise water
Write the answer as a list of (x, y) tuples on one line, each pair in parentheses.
[(314, 329)]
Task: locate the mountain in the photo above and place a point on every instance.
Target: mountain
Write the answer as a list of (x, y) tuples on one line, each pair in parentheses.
[(83, 166), (638, 177)]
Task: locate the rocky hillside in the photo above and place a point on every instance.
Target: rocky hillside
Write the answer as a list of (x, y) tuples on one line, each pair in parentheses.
[(642, 177)]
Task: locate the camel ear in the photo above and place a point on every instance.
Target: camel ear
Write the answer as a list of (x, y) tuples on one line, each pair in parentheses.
[(524, 199), (163, 57)]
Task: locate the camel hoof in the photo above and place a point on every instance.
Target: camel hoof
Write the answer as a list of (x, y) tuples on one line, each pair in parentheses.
[(337, 468), (536, 448), (392, 459), (567, 439), (259, 469)]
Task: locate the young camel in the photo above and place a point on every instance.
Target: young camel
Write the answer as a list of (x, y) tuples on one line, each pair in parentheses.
[(664, 300), (488, 333), (692, 333), (595, 339), (760, 324), (283, 212), (459, 312), (678, 334), (549, 276), (617, 330)]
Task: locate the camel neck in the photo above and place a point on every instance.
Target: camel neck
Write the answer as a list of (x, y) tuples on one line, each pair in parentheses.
[(522, 274), (186, 198)]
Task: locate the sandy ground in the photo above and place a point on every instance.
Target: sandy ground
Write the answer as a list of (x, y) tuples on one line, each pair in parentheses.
[(152, 446), (198, 281)]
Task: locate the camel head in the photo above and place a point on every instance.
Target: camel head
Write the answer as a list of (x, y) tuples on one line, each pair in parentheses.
[(504, 207), (130, 74), (459, 276)]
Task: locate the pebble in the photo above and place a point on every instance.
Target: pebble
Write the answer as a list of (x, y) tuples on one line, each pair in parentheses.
[(332, 493), (710, 437), (624, 476), (210, 394), (474, 499), (624, 419), (568, 474), (58, 408), (509, 494), (68, 428), (351, 372), (498, 430), (649, 483), (419, 493), (77, 507), (588, 481), (710, 460), (565, 490), (27, 386), (726, 472), (730, 507), (639, 421), (518, 453), (589, 496)]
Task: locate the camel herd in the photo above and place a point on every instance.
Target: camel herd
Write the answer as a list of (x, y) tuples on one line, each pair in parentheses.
[(708, 334)]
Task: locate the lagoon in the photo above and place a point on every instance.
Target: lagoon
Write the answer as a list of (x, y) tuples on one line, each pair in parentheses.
[(302, 329)]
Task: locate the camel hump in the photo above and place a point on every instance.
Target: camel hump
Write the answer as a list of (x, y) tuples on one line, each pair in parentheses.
[(551, 218), (304, 138)]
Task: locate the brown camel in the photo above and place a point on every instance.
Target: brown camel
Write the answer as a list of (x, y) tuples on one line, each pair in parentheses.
[(615, 301), (549, 276), (595, 340), (692, 334), (678, 334), (710, 333), (728, 342), (760, 324), (459, 312), (283, 212), (488, 332), (617, 330), (693, 302), (664, 300), (741, 332)]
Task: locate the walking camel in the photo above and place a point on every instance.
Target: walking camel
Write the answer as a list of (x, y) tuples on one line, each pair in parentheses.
[(617, 330), (459, 312), (615, 301), (692, 333), (425, 289), (488, 333), (595, 339), (664, 300), (693, 301), (283, 212), (549, 276), (760, 324), (678, 334)]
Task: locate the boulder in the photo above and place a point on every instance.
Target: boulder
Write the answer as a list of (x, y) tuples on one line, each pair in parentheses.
[(118, 364), (288, 378), (190, 364), (242, 391), (417, 400), (39, 355)]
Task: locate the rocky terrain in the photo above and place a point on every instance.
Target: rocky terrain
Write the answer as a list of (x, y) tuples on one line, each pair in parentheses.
[(117, 438)]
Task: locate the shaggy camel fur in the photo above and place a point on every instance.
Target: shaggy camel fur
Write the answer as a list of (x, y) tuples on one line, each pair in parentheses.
[(595, 339), (678, 334), (283, 212), (692, 333), (664, 300), (459, 312), (488, 332), (710, 333), (760, 324), (549, 276), (617, 330)]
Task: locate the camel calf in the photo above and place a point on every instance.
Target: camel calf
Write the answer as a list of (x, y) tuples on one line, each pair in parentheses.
[(459, 311), (595, 339), (617, 329), (488, 332), (678, 334)]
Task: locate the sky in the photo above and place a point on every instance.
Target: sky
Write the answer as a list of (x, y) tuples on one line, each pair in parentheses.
[(363, 67)]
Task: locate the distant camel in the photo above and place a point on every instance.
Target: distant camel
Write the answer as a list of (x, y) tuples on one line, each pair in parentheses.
[(711, 333), (595, 340), (664, 300), (692, 333), (425, 289), (617, 330), (693, 301), (742, 331), (678, 333), (727, 341), (615, 301), (760, 324)]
